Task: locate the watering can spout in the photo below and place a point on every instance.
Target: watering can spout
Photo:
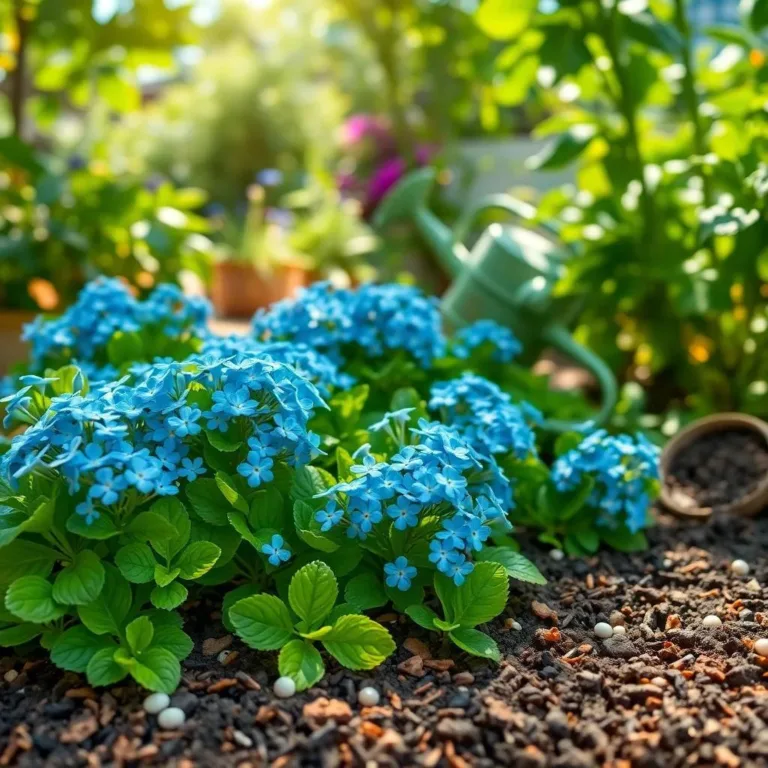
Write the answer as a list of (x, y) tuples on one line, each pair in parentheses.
[(410, 200)]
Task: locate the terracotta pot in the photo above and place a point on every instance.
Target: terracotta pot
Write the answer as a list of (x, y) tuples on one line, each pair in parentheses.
[(682, 505), (238, 290), (12, 349)]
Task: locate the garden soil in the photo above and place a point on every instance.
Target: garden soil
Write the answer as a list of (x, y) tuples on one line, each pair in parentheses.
[(666, 693)]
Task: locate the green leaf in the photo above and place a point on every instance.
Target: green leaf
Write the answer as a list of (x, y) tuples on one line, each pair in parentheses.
[(164, 576), (136, 562), (26, 558), (197, 559), (168, 632), (267, 510), (75, 647), (313, 592), (423, 616), (482, 596), (139, 634), (445, 626), (226, 442), (475, 642), (171, 510), (12, 523), (101, 529), (319, 634), (81, 582), (18, 635), (624, 540), (207, 501), (169, 597), (30, 598), (344, 464), (365, 591), (564, 149), (157, 669), (358, 642), (262, 622), (504, 20), (230, 493), (308, 529), (300, 661), (232, 597), (102, 669), (347, 407), (125, 348), (151, 526), (644, 27), (567, 441), (516, 565), (308, 482), (106, 614)]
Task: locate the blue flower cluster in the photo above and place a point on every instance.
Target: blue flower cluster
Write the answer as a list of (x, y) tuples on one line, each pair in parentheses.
[(484, 416), (373, 319), (122, 444), (438, 481), (104, 307), (625, 469), (310, 363), (506, 346)]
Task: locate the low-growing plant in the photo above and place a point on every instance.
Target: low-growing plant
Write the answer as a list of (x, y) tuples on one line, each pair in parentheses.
[(482, 597), (266, 623)]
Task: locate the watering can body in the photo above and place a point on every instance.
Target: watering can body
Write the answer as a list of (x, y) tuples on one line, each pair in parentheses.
[(508, 276)]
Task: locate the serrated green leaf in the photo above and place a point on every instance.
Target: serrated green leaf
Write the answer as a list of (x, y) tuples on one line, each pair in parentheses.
[(80, 582), (169, 597), (423, 616), (476, 642), (173, 511), (197, 559), (164, 576), (262, 622), (358, 642), (151, 526), (308, 529), (366, 591), (207, 501), (300, 661), (481, 597), (18, 635), (227, 487), (267, 510), (232, 597), (106, 614), (75, 647), (102, 669), (100, 529), (313, 592), (30, 598), (26, 558), (136, 563), (139, 634), (157, 669), (124, 347)]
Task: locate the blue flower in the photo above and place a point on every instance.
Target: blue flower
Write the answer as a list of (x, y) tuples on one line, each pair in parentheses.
[(107, 487), (399, 574), (142, 474), (454, 532), (404, 513), (257, 469), (186, 422), (329, 516), (504, 344), (440, 553), (276, 552), (458, 568), (476, 534), (454, 484), (85, 509), (192, 468)]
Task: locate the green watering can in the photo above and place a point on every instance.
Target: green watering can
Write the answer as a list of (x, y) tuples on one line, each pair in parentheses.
[(508, 277)]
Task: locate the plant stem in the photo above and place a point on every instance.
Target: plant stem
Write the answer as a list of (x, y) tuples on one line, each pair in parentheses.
[(689, 92), (628, 107), (19, 78)]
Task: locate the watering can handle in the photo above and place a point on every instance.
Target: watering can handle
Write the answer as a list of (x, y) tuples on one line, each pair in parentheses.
[(560, 338), (521, 210)]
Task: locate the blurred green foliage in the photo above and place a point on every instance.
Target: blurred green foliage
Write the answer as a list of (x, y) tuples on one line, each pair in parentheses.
[(669, 212), (68, 224)]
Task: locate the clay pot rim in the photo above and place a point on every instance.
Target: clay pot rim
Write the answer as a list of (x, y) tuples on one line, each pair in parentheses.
[(748, 505)]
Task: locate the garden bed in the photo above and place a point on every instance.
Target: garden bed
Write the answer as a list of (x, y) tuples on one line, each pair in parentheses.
[(666, 693)]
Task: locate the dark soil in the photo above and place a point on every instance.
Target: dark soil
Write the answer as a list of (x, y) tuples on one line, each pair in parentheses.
[(719, 469), (667, 693)]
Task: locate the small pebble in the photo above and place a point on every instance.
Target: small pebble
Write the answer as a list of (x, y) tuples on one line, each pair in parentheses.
[(660, 681), (712, 622), (242, 739), (740, 567), (603, 630), (517, 626), (156, 703), (284, 687), (761, 646), (171, 718), (223, 656), (667, 563), (556, 554), (619, 629), (10, 675), (368, 696)]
